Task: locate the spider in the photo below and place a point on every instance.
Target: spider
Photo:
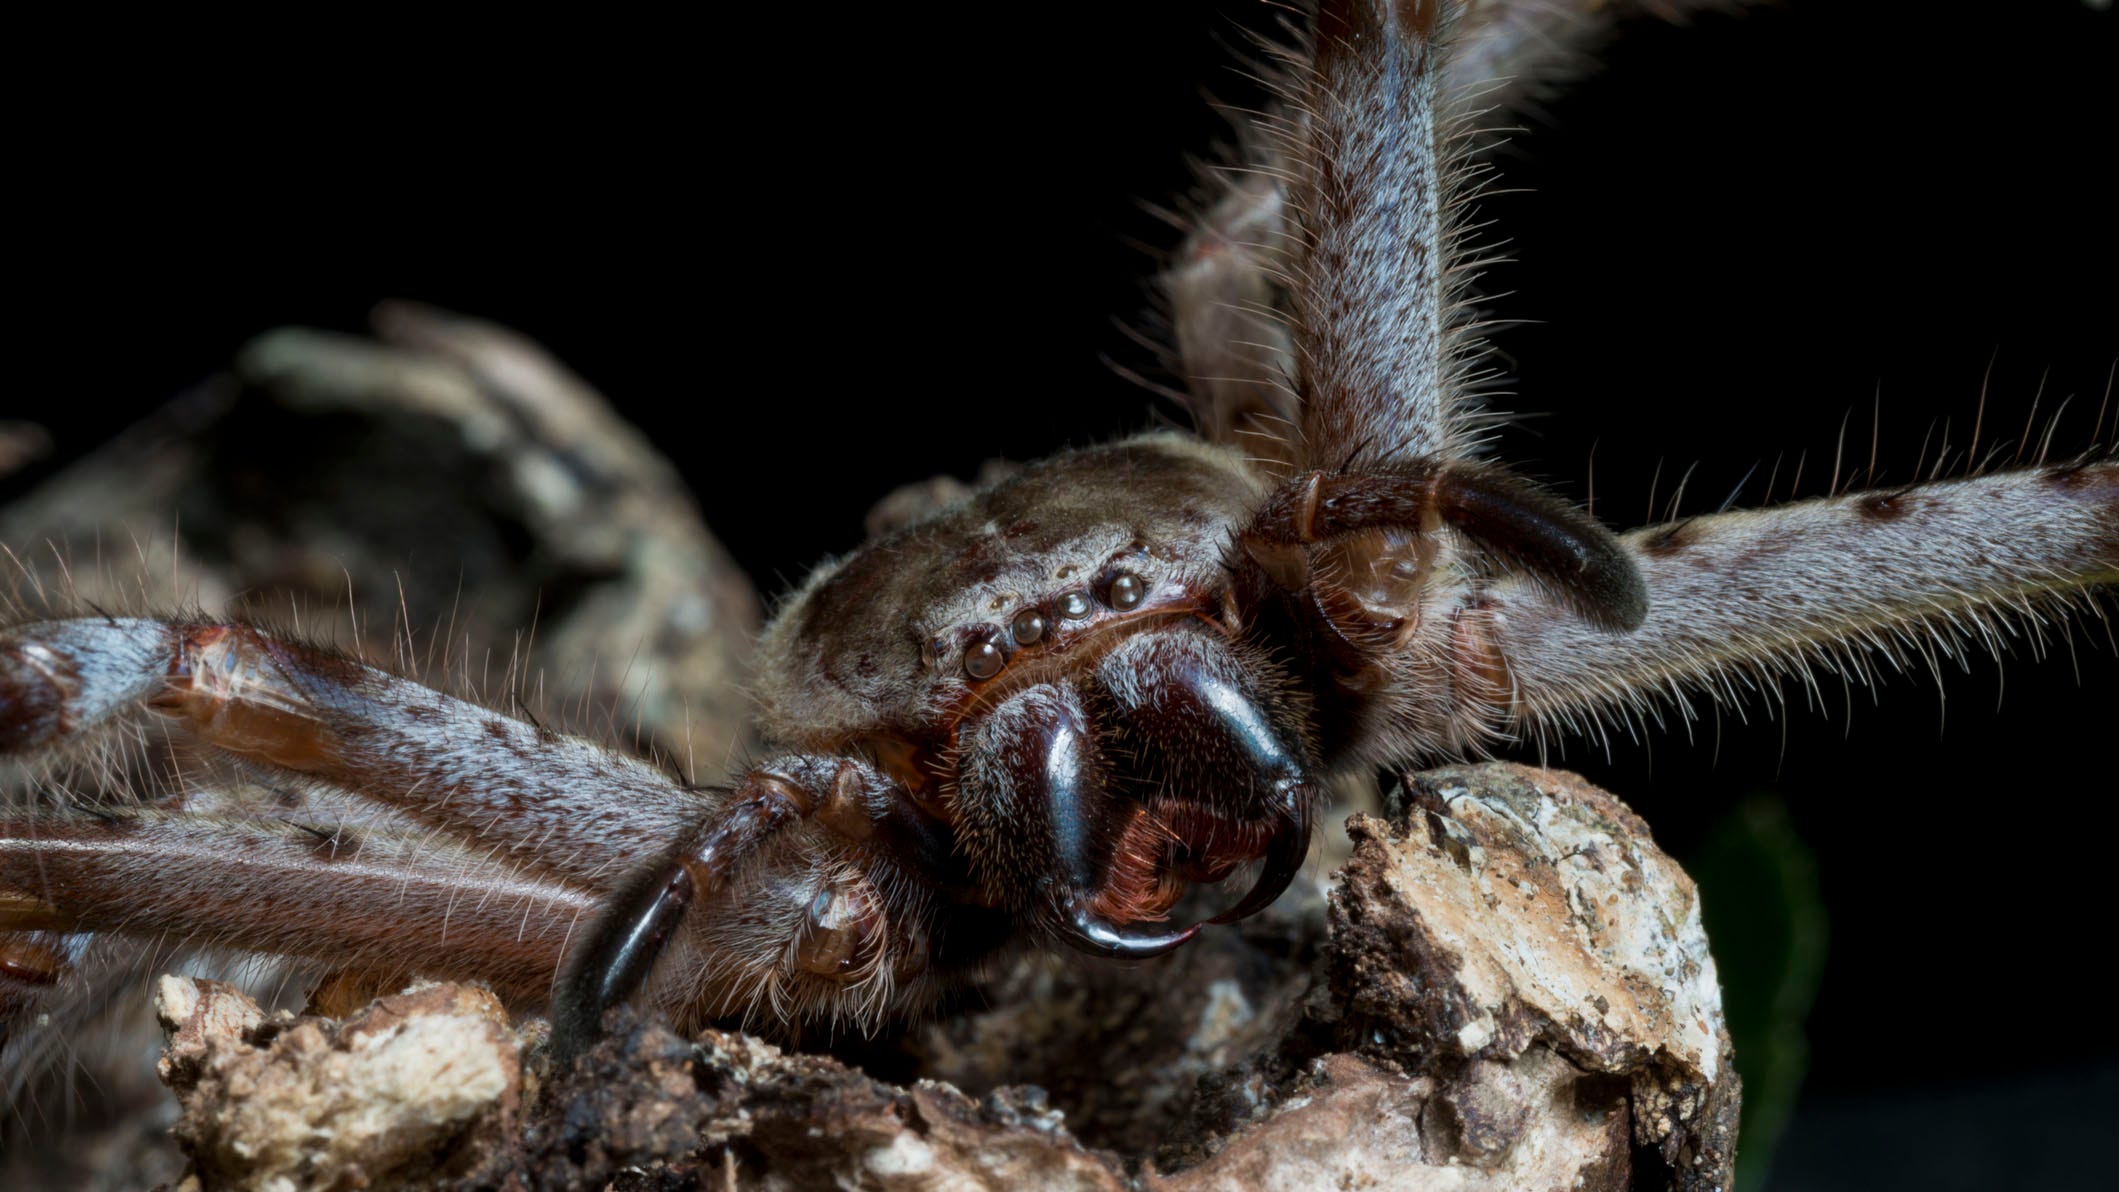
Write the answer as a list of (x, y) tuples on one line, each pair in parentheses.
[(1048, 711)]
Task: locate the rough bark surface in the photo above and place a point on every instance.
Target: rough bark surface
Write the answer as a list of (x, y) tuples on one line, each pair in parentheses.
[(412, 1088), (1506, 988)]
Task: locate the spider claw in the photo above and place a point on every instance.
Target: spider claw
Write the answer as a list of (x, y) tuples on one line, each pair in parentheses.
[(617, 956)]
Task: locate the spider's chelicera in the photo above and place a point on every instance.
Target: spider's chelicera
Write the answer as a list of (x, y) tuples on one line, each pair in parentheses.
[(1046, 711)]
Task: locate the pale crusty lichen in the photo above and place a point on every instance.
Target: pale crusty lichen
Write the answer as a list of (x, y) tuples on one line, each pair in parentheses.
[(282, 1104)]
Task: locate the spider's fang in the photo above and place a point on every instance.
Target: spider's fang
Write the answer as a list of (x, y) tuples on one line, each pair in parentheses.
[(1087, 932), (1285, 853)]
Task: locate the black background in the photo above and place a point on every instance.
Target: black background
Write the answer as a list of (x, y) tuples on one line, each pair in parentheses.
[(818, 261)]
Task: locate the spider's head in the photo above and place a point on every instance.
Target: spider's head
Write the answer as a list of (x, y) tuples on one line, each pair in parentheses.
[(1054, 668)]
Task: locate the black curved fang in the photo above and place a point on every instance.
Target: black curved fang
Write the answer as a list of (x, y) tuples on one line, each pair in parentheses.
[(1074, 799), (1285, 853), (1189, 696), (1088, 932)]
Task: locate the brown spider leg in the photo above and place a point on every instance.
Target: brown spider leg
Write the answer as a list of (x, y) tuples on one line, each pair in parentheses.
[(1381, 356), (1777, 591), (374, 901), (1236, 342), (1233, 345), (579, 809), (1374, 342), (851, 800)]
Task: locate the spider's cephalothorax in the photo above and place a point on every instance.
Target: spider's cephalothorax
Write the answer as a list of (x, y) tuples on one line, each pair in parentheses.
[(1045, 711), (1098, 709)]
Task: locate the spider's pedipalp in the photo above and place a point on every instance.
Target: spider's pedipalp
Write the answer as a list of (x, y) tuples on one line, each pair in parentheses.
[(849, 908), (638, 923), (1510, 521)]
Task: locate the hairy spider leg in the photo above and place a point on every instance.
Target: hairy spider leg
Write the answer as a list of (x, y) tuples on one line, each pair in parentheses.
[(1245, 261), (384, 904), (1374, 348), (460, 899), (1367, 384), (1763, 594), (531, 827), (556, 801), (1318, 299)]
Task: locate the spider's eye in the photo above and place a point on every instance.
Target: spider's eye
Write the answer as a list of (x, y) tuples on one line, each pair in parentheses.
[(1126, 590), (982, 659), (1074, 606), (1028, 626)]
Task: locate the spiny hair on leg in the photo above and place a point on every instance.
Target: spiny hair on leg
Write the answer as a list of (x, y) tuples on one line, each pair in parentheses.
[(1854, 585), (451, 651), (1240, 301), (1603, 714)]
